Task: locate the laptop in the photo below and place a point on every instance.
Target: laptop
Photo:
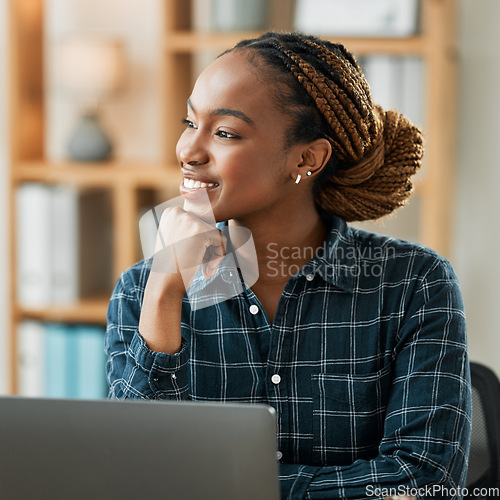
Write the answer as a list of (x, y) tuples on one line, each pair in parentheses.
[(90, 450)]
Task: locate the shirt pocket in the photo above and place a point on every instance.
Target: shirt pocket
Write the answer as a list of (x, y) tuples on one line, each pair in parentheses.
[(348, 416)]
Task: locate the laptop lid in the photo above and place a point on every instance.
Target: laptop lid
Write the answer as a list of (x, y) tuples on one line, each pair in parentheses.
[(74, 449)]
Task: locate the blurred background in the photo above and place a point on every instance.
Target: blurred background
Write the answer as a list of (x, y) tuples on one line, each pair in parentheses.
[(92, 95)]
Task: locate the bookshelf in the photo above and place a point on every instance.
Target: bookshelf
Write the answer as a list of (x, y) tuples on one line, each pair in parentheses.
[(131, 184)]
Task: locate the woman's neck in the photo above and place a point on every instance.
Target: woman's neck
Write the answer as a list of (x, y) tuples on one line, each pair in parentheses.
[(283, 246)]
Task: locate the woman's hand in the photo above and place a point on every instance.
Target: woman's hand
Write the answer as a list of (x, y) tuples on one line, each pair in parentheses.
[(184, 243)]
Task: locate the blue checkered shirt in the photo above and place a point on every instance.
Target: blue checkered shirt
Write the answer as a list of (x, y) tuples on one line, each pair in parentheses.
[(365, 364)]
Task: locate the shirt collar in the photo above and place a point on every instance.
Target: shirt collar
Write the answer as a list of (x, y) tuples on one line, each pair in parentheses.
[(237, 269), (336, 262)]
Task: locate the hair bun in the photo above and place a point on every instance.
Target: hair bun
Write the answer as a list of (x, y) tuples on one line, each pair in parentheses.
[(381, 181)]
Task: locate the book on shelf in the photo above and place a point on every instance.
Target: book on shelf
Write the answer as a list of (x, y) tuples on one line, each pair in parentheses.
[(31, 362), (368, 18), (57, 373), (63, 245), (229, 15), (239, 15), (58, 360), (33, 249), (90, 362), (413, 98), (383, 74), (397, 82), (64, 237)]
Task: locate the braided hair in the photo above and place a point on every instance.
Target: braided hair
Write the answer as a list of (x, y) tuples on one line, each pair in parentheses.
[(374, 152)]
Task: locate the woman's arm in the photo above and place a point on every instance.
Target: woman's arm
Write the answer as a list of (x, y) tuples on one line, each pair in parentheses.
[(147, 357), (133, 369), (182, 243)]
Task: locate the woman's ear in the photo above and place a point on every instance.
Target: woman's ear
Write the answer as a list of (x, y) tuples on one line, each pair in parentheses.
[(315, 156)]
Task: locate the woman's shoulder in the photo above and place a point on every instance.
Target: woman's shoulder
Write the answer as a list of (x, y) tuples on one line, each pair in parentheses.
[(369, 239), (399, 255)]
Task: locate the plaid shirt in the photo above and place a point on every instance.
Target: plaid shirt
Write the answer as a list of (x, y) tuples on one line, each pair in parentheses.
[(365, 364)]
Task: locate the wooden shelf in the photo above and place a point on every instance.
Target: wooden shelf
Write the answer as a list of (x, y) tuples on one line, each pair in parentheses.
[(186, 42), (107, 175), (130, 182), (84, 311)]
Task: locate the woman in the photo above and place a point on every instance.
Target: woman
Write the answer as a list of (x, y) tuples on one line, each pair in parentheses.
[(357, 340)]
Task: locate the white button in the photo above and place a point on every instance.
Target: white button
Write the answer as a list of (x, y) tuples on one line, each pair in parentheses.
[(309, 277), (276, 379), (254, 309), (279, 455)]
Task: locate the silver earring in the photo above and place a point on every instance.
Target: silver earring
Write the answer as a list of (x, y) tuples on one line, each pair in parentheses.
[(309, 173), (297, 180)]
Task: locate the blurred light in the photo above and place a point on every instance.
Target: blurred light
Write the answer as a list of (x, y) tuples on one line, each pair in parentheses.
[(90, 67)]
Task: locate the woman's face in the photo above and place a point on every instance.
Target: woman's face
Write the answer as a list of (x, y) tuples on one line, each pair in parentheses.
[(234, 143)]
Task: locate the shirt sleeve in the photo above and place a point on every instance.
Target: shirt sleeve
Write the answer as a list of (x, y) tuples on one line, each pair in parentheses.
[(132, 369), (427, 426)]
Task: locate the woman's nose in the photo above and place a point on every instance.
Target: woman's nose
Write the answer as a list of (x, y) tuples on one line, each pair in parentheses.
[(191, 150)]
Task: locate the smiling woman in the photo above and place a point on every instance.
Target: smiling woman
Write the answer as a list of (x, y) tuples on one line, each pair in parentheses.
[(235, 137), (358, 342)]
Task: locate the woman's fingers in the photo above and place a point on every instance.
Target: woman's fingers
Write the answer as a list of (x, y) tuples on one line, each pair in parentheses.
[(184, 243), (213, 257), (205, 249)]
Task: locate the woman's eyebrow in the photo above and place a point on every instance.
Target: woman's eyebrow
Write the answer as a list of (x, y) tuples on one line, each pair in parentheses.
[(227, 112), (233, 112)]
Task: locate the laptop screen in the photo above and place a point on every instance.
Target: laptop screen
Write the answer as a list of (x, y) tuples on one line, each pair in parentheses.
[(74, 449)]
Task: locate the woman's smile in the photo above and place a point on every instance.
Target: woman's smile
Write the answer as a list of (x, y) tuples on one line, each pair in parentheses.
[(192, 184)]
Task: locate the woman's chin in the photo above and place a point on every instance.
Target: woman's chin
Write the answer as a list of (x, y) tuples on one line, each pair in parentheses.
[(197, 202)]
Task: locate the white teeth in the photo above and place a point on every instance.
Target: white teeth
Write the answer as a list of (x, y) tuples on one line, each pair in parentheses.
[(192, 184)]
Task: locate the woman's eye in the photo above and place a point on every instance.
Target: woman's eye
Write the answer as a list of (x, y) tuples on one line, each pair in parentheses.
[(188, 123), (226, 135)]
